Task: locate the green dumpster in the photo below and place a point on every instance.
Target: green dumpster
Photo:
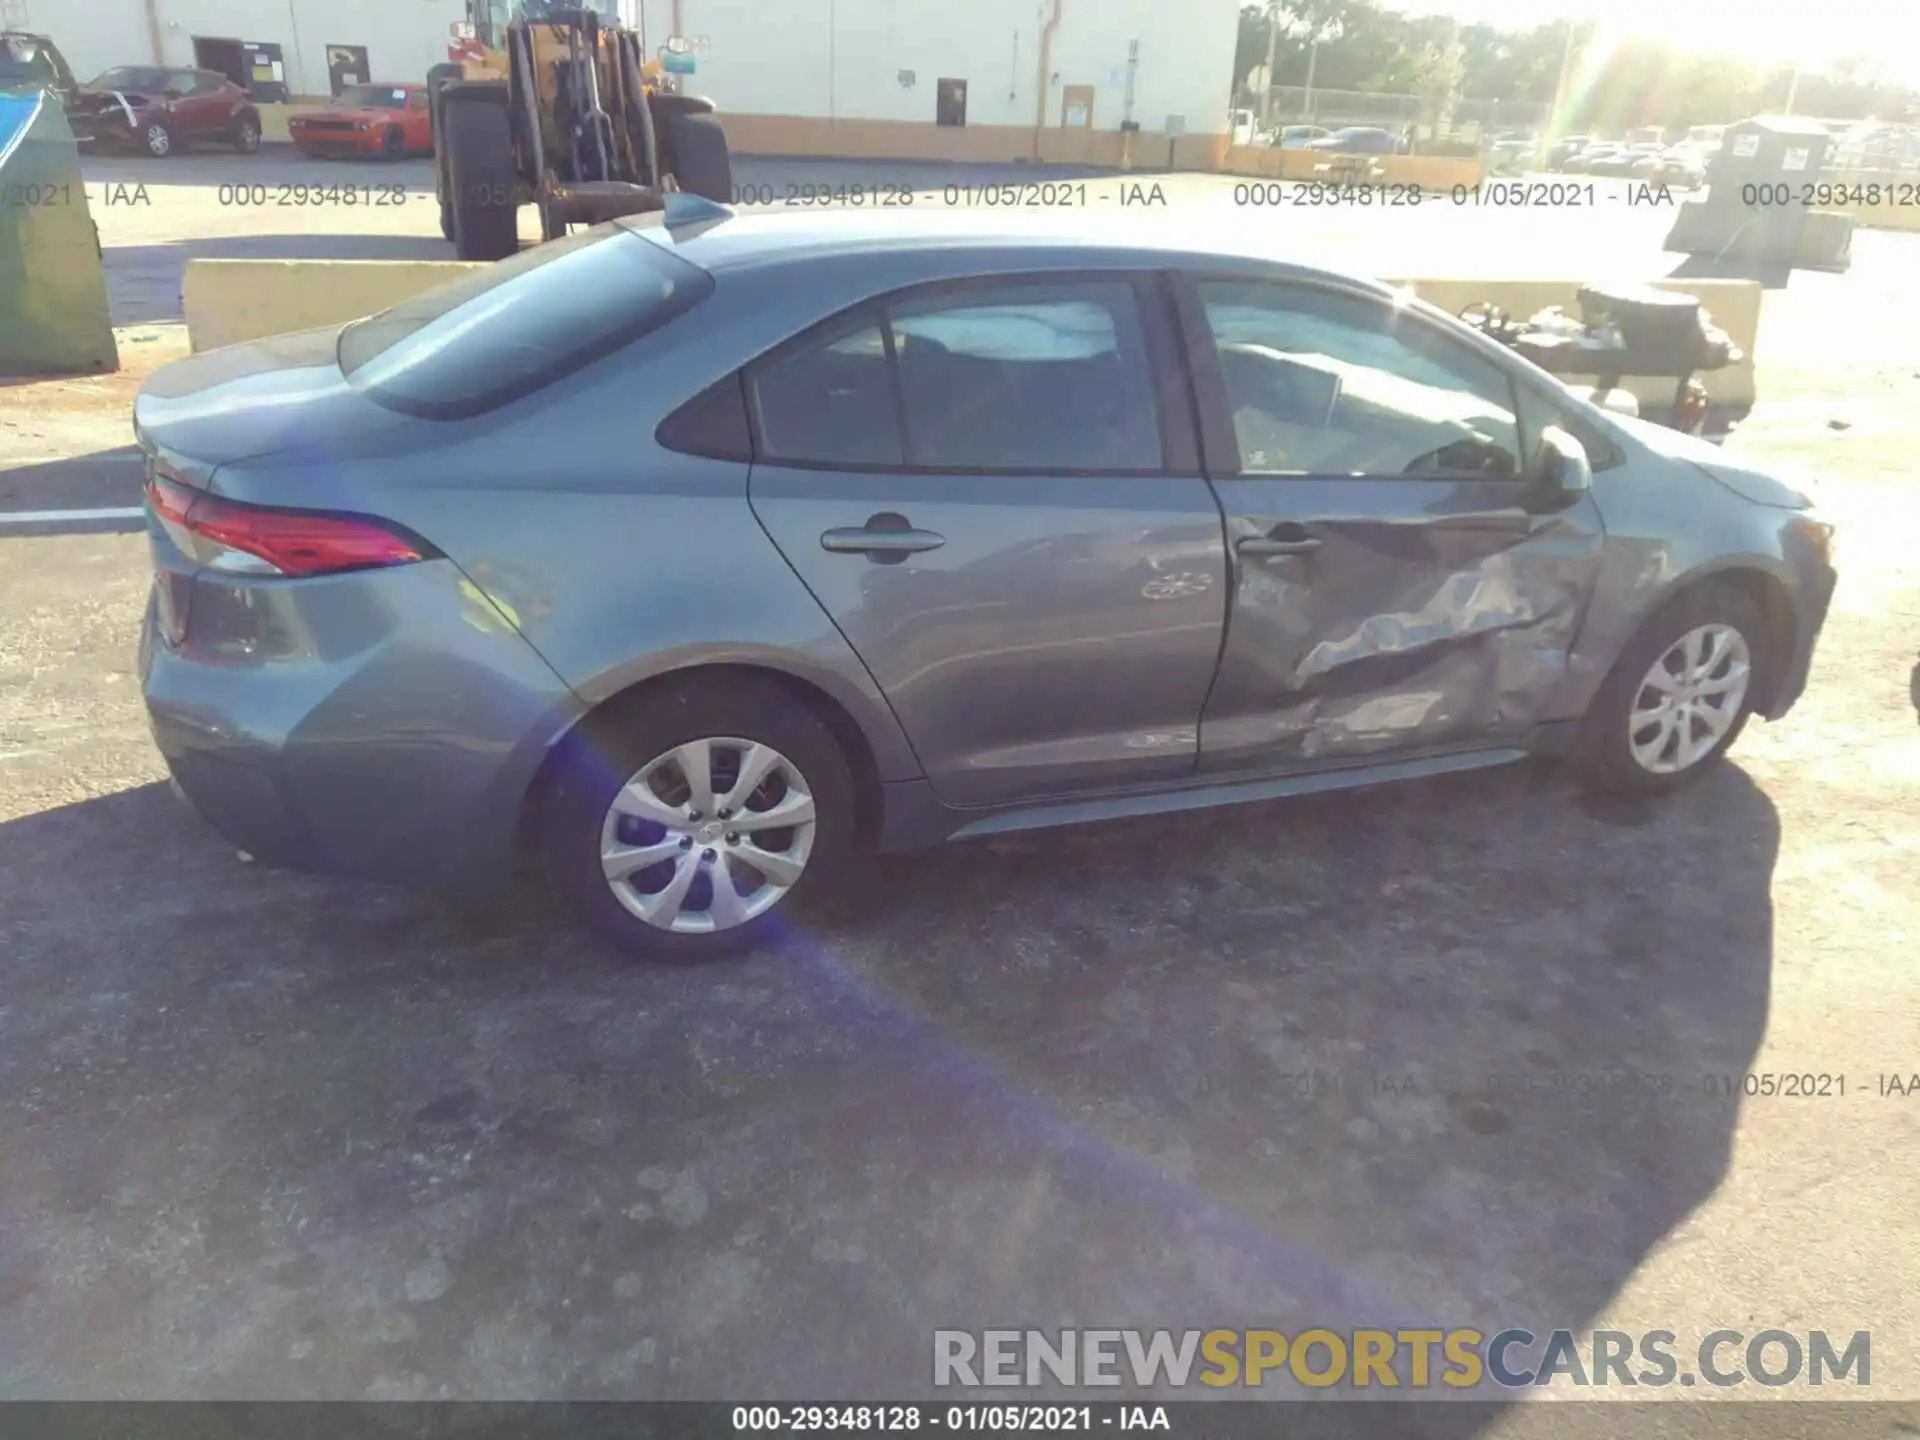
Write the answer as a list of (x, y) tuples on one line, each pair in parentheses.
[(53, 293)]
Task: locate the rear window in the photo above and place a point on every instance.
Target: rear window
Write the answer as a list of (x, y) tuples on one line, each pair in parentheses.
[(507, 331)]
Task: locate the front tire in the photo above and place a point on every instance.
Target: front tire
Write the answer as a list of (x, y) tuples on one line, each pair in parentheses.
[(392, 144), (701, 164), (480, 175), (689, 823), (245, 135), (1679, 695)]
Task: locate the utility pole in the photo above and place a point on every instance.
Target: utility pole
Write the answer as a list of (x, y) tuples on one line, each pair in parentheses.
[(1273, 40), (1793, 89), (1556, 118)]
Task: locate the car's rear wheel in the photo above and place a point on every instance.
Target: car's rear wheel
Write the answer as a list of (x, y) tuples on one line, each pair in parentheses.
[(1680, 694), (689, 823), (158, 140), (245, 135)]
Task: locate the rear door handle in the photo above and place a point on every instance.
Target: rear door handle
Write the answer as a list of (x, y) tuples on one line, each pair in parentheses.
[(1258, 545), (880, 542)]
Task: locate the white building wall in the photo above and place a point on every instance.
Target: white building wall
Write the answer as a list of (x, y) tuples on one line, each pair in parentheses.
[(403, 38), (841, 59), (822, 59)]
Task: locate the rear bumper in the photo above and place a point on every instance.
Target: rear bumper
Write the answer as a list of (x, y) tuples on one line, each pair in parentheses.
[(384, 725)]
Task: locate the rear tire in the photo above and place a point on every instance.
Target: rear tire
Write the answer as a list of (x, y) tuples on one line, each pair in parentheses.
[(701, 164), (578, 823), (1621, 755), (481, 178)]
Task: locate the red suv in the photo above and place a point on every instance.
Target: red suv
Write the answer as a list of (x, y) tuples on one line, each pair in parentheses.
[(161, 110)]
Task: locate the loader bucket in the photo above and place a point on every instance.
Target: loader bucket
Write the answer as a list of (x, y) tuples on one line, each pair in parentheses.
[(53, 293)]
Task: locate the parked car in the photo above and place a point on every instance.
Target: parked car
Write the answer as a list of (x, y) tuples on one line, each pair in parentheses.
[(1678, 165), (390, 120), (1512, 152), (1292, 137), (163, 110), (1565, 148), (1621, 160), (1358, 140), (1580, 161), (690, 554)]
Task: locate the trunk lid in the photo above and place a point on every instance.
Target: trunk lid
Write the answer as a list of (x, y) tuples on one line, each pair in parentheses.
[(242, 402)]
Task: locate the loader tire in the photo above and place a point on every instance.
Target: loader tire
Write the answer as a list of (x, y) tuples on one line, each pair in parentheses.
[(480, 175), (701, 164)]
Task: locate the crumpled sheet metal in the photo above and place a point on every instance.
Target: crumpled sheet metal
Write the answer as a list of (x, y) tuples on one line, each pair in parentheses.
[(1443, 654)]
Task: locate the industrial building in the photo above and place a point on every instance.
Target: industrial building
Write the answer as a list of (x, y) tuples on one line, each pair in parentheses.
[(1075, 80)]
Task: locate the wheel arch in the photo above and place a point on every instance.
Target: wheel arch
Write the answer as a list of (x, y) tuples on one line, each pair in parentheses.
[(856, 745), (1762, 582)]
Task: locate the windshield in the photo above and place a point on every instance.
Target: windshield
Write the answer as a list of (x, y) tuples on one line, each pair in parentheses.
[(130, 77), (518, 325), (372, 97)]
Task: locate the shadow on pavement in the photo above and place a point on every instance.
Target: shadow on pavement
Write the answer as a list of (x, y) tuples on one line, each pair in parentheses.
[(104, 479), (1423, 1056)]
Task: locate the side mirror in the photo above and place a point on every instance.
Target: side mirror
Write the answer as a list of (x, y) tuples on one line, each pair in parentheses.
[(1565, 472)]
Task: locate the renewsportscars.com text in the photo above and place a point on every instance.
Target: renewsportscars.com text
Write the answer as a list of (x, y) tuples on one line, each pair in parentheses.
[(1514, 1358)]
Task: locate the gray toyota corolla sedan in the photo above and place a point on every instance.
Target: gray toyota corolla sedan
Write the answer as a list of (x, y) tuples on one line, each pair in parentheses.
[(685, 556)]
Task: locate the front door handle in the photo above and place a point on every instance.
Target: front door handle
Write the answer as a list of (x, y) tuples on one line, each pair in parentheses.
[(872, 539), (1255, 546)]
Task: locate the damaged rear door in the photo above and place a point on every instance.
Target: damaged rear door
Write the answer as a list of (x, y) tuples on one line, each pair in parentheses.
[(1398, 582)]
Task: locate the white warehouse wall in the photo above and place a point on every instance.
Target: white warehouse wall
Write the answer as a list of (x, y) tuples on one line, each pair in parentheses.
[(402, 37), (841, 59)]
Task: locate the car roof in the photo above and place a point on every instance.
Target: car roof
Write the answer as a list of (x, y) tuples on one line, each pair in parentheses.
[(752, 239)]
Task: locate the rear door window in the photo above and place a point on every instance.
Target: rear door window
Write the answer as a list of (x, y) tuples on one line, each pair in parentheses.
[(1046, 375), (1007, 377), (518, 325)]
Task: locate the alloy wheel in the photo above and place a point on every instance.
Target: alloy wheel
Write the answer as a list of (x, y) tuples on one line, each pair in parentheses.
[(708, 836), (1689, 699), (159, 142)]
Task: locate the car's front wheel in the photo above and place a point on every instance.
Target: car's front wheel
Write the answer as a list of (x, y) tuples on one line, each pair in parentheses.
[(688, 823), (1680, 694), (245, 135)]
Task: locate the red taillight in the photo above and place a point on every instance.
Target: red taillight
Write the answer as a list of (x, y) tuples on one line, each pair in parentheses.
[(226, 535)]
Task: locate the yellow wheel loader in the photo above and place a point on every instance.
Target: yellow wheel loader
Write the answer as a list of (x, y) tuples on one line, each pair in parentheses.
[(564, 113)]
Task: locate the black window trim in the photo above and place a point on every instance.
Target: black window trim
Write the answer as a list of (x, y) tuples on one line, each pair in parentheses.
[(1216, 410), (1173, 413)]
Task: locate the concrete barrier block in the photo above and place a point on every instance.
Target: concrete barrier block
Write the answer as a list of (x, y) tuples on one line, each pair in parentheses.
[(228, 301)]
